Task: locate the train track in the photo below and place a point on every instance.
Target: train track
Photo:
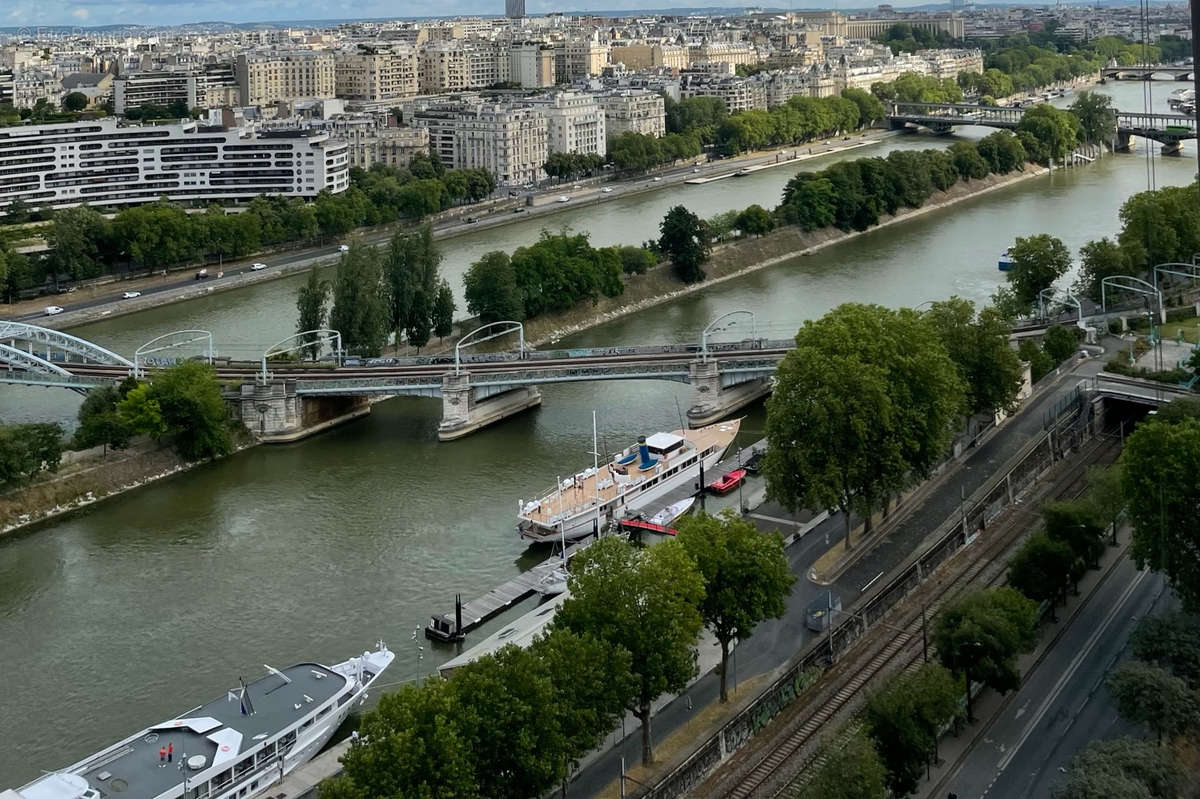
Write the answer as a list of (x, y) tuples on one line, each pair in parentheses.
[(899, 650)]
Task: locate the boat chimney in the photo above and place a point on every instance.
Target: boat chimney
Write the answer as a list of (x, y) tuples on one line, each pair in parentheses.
[(644, 453), (457, 615)]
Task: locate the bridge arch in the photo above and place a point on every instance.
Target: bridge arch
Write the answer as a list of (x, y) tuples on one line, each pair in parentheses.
[(306, 338), (56, 339), (507, 325), (1130, 283)]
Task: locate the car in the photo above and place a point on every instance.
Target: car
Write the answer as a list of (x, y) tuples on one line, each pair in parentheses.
[(657, 179), (514, 193), (695, 169), (51, 310), (471, 220), (255, 267), (607, 190), (518, 210), (564, 199), (577, 187), (129, 295), (343, 248)]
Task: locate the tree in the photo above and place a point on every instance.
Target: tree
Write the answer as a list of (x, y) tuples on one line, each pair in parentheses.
[(1159, 226), (1153, 696), (906, 717), (27, 450), (1171, 641), (1042, 569), (184, 402), (491, 289), (685, 242), (852, 771), (1161, 483), (755, 221), (987, 366), (746, 576), (1097, 118), (1038, 261), (1002, 151), (359, 312), (1122, 768), (980, 635), (870, 109), (1098, 260), (646, 602), (410, 747), (99, 422), (75, 101), (1060, 343), (140, 410), (865, 403), (311, 301), (443, 310), (419, 323), (411, 277), (969, 164), (81, 240), (1056, 129)]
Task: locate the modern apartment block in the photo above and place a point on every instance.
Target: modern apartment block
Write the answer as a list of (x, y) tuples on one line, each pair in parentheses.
[(514, 9), (104, 164), (212, 86), (377, 75), (268, 78), (510, 141), (633, 111)]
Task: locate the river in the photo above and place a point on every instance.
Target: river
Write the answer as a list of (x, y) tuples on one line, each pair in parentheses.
[(142, 607)]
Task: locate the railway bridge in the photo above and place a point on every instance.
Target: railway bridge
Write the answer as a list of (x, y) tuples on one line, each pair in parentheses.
[(1180, 72), (283, 400)]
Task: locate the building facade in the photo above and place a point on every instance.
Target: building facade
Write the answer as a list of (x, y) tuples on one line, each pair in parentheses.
[(375, 76), (268, 78), (510, 141), (633, 111), (575, 122), (103, 164), (213, 86)]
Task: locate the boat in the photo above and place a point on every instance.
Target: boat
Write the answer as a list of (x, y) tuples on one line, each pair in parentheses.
[(522, 632), (727, 482), (634, 480), (1181, 96), (235, 747), (672, 511), (554, 583), (1006, 261), (754, 462)]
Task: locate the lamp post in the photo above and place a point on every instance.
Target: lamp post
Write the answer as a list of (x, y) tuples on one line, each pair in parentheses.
[(712, 328)]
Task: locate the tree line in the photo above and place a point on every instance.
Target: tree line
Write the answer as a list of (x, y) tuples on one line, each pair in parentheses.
[(516, 723)]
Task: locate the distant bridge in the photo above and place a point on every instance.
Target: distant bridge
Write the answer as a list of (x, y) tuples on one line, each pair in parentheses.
[(1149, 72)]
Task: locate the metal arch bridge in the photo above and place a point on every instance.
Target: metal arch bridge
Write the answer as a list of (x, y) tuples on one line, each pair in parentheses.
[(34, 355)]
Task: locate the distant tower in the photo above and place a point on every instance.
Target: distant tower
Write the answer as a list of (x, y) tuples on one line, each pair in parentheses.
[(514, 9)]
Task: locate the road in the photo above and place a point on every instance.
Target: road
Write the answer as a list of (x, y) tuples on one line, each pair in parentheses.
[(1063, 703), (776, 641)]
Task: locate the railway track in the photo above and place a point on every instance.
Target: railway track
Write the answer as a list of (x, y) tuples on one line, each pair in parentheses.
[(899, 650)]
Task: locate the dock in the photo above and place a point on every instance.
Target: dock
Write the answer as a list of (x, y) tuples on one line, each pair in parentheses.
[(782, 162)]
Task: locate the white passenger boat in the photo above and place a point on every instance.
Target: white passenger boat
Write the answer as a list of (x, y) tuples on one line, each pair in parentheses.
[(1181, 96), (631, 482), (234, 747), (673, 511)]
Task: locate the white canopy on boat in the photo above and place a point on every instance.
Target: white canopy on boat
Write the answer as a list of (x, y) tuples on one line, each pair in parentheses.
[(664, 442)]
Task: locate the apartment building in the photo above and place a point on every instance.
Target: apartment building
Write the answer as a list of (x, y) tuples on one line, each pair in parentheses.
[(212, 86), (583, 59), (457, 66), (104, 164), (643, 55), (510, 141), (377, 75), (33, 85), (268, 78), (633, 111), (723, 53), (372, 144), (739, 94), (575, 122), (532, 65)]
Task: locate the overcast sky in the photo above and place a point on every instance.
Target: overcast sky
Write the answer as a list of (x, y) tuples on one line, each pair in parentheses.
[(30, 13)]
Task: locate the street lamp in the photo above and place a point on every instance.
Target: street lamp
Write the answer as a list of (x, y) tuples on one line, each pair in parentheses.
[(712, 328)]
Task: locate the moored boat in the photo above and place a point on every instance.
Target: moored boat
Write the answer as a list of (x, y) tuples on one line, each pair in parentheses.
[(236, 746), (727, 482), (1006, 261), (672, 511), (634, 480)]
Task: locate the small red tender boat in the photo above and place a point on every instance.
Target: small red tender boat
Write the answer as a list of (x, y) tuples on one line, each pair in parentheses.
[(727, 482)]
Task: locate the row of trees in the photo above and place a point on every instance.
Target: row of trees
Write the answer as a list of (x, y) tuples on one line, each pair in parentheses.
[(27, 450), (516, 723), (567, 166), (377, 292), (800, 119), (553, 275)]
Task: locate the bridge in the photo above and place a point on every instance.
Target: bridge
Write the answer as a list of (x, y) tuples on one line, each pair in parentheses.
[(1149, 72), (1169, 130), (285, 400)]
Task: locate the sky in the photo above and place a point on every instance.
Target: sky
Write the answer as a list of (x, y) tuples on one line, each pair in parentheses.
[(31, 13)]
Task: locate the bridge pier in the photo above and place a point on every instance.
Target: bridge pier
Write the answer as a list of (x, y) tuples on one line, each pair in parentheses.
[(463, 413), (1172, 148), (1121, 144), (275, 414), (711, 401)]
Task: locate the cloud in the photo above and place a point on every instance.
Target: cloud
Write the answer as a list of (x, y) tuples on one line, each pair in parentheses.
[(79, 13)]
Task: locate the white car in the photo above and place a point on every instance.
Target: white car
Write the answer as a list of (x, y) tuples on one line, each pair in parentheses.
[(343, 248), (129, 295), (256, 267), (51, 310), (564, 199), (656, 180), (607, 190)]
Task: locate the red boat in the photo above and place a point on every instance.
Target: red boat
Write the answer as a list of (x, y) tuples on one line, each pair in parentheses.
[(727, 482)]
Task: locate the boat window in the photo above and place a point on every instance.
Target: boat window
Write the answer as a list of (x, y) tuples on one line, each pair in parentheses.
[(222, 779), (287, 740), (242, 768), (306, 725), (324, 712)]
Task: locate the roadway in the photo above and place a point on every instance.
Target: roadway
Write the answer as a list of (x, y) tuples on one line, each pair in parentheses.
[(1063, 703), (776, 641)]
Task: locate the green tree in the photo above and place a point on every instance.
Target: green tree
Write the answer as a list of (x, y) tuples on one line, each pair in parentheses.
[(1038, 261), (75, 101), (1057, 130), (755, 221), (311, 301), (870, 109), (443, 310), (359, 310), (1096, 115), (1151, 695), (684, 240), (1042, 569), (906, 717), (1098, 260), (746, 576), (1002, 151), (420, 322), (1060, 343), (809, 202), (411, 277), (635, 260), (141, 412), (183, 402), (1171, 641), (491, 289), (980, 635), (646, 602), (978, 344), (26, 450), (1122, 768), (851, 771), (969, 164), (80, 237), (99, 422), (865, 403), (1159, 226), (1161, 483)]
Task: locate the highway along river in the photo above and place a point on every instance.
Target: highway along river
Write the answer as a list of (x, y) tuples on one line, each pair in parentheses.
[(147, 605)]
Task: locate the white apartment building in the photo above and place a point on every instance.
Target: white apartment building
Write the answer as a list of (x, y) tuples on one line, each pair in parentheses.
[(33, 85), (368, 143), (633, 111), (575, 122), (739, 94), (532, 65), (724, 53), (211, 87), (267, 78), (584, 58), (103, 164), (511, 142), (379, 75), (457, 66)]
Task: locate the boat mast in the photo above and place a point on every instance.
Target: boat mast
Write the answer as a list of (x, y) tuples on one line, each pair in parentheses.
[(596, 475)]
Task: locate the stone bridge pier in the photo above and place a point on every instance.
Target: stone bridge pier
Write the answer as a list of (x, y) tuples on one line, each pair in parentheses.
[(275, 414), (466, 409), (715, 396)]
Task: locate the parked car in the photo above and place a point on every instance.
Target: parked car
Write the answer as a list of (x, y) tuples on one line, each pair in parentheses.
[(607, 190), (657, 179), (202, 274), (129, 295), (564, 199), (518, 210), (257, 266), (343, 248), (51, 310), (471, 220)]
